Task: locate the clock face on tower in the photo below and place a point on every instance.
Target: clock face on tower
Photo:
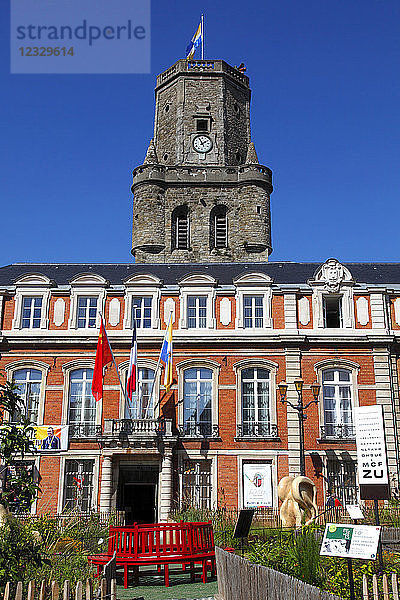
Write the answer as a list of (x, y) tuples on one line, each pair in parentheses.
[(202, 143)]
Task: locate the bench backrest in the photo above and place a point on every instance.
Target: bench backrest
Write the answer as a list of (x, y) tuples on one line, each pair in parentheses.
[(161, 539)]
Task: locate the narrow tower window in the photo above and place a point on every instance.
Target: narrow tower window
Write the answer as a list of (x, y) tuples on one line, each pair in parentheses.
[(180, 228), (219, 227)]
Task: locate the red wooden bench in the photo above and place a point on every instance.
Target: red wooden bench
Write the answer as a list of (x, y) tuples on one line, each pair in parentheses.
[(160, 544)]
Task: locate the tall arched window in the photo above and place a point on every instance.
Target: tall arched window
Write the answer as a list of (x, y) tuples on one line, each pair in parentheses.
[(197, 401), (256, 418), (82, 405), (180, 228), (338, 404), (142, 405), (219, 227), (28, 382)]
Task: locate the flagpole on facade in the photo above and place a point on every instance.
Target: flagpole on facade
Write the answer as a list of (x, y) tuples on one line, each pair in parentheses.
[(112, 354), (138, 395), (157, 366), (202, 37)]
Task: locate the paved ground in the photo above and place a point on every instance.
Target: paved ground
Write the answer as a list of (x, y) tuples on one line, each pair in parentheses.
[(151, 587)]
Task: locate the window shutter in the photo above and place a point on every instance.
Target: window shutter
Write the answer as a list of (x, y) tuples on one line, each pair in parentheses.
[(221, 230)]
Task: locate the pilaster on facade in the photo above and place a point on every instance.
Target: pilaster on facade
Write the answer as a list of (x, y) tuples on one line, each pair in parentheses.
[(377, 301), (293, 371), (166, 485), (382, 369), (290, 311), (106, 484)]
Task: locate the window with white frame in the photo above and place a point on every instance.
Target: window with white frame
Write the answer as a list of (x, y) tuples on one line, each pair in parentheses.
[(255, 405), (197, 401), (86, 312), (142, 311), (82, 405), (29, 383), (197, 312), (253, 313), (142, 404), (337, 404), (31, 317), (196, 484), (78, 485)]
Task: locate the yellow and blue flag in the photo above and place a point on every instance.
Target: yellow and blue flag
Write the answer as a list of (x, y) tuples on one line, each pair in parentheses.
[(166, 356), (195, 42)]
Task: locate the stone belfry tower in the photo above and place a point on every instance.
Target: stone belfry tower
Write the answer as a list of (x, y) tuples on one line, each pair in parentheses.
[(201, 195)]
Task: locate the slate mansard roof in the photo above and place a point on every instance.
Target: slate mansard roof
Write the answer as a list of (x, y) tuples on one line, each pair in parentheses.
[(281, 273)]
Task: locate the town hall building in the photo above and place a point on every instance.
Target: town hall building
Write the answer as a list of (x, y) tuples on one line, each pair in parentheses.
[(241, 325)]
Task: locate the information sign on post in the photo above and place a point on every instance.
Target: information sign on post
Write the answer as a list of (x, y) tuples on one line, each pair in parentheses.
[(371, 453), (351, 541)]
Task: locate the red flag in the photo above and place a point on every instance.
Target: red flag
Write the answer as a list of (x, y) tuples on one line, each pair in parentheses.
[(103, 358), (131, 381), (79, 482)]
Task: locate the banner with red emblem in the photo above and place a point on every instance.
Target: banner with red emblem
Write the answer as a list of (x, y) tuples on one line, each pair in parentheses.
[(257, 485)]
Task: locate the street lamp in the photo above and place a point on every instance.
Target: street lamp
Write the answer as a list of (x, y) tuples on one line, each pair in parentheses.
[(300, 408)]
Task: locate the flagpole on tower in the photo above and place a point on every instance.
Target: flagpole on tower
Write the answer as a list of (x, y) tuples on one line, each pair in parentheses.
[(202, 37)]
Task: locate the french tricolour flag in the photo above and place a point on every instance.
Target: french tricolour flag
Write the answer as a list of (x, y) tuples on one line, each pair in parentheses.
[(131, 381)]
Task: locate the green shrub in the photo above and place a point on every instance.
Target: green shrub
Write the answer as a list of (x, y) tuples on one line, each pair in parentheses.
[(18, 549)]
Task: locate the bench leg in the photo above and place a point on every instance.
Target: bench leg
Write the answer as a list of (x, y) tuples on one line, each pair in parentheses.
[(192, 576), (213, 568), (204, 572), (125, 576), (166, 575), (158, 568)]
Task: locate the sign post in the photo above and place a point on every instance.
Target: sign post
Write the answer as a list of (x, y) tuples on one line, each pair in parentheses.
[(373, 475), (243, 524), (371, 453), (350, 541)]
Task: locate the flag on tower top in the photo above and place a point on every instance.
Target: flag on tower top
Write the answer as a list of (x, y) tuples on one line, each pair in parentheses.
[(103, 358), (195, 41)]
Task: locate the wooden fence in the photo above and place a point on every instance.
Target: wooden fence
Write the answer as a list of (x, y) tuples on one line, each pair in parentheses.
[(239, 579), (82, 591), (385, 588)]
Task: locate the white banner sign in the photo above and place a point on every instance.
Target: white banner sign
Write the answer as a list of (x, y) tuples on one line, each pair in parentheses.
[(257, 485), (350, 541), (371, 447), (354, 511)]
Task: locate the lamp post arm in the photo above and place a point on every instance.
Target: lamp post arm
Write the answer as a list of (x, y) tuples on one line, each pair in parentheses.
[(309, 404), (295, 406)]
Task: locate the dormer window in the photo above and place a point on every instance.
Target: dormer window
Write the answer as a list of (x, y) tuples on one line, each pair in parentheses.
[(333, 300), (87, 301), (332, 311), (87, 312), (31, 312), (180, 228), (142, 302), (32, 300), (197, 301)]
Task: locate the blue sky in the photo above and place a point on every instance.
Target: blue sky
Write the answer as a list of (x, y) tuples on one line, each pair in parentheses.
[(325, 118)]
